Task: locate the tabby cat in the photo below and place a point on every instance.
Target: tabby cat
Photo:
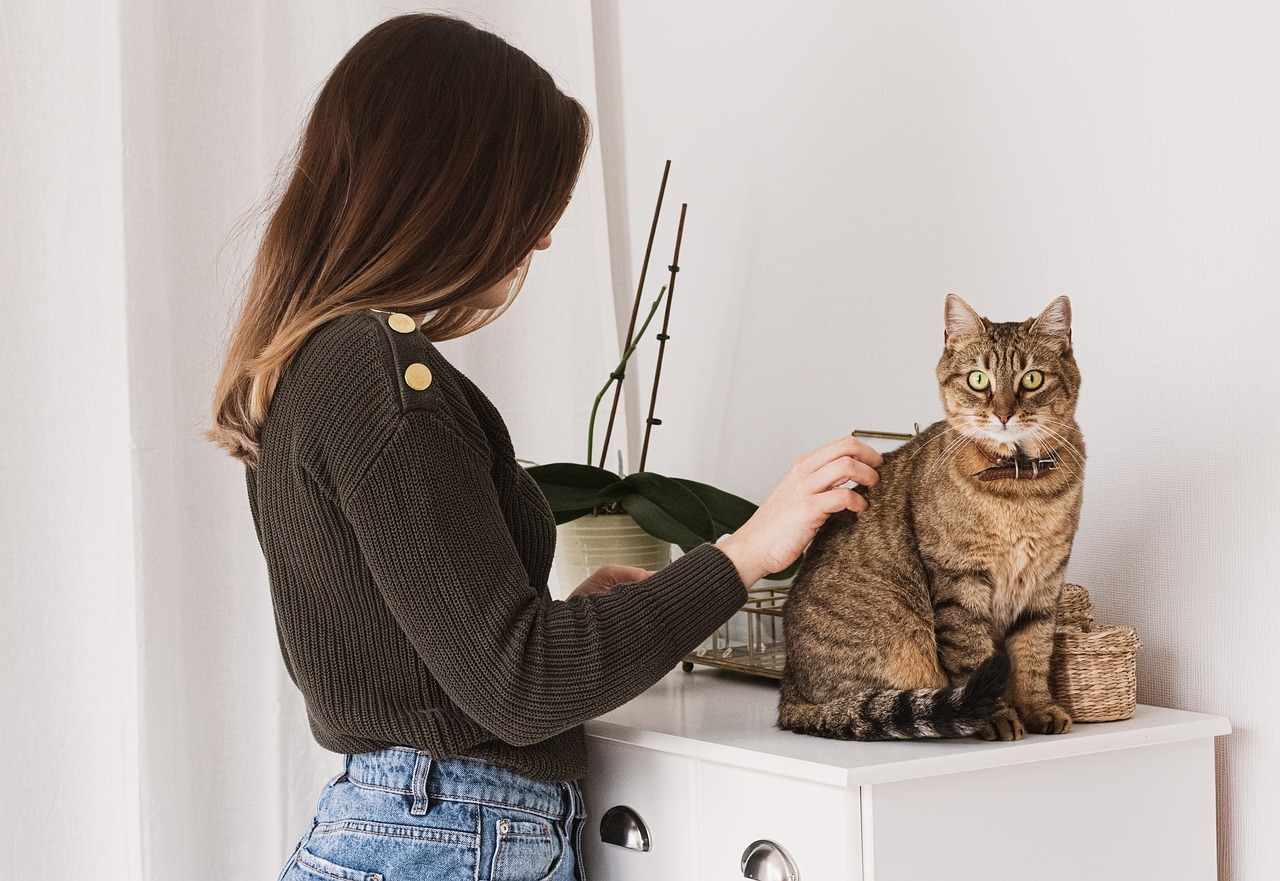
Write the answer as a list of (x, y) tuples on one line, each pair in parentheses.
[(932, 614)]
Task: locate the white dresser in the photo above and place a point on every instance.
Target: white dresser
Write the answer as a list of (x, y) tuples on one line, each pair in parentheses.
[(696, 770)]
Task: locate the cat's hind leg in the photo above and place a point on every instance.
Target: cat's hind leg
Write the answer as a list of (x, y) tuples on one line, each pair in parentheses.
[(911, 661)]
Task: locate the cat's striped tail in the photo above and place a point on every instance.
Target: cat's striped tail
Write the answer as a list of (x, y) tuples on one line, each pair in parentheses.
[(895, 714)]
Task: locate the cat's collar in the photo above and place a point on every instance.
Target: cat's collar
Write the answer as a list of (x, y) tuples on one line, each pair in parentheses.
[(1016, 467)]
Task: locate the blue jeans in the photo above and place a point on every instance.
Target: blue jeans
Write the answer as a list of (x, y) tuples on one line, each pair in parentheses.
[(396, 814)]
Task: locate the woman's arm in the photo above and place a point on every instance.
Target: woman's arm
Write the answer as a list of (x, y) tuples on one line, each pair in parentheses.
[(428, 522)]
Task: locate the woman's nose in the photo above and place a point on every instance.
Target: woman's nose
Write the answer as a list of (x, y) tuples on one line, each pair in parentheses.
[(543, 243)]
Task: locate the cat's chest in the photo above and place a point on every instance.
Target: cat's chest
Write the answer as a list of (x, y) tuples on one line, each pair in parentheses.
[(1020, 551), (1015, 543)]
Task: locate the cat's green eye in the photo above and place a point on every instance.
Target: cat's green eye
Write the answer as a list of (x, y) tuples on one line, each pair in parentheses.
[(979, 381), (1032, 380)]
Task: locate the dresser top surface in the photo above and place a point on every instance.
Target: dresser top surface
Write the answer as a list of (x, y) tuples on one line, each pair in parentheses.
[(731, 718)]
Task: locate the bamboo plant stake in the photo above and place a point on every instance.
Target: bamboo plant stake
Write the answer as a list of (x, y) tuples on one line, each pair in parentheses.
[(635, 309), (618, 371), (662, 337)]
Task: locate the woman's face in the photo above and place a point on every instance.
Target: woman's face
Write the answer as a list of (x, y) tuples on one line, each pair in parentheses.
[(495, 296)]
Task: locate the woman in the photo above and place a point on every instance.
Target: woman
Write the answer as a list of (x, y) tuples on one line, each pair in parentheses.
[(407, 551)]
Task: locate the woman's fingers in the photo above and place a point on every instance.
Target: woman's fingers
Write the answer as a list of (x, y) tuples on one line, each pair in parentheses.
[(609, 576), (617, 574), (840, 471), (847, 445), (841, 498), (810, 492)]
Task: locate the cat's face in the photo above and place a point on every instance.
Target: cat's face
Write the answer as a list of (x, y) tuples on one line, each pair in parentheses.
[(1012, 387)]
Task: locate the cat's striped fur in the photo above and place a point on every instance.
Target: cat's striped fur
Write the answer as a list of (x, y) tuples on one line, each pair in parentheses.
[(898, 622)]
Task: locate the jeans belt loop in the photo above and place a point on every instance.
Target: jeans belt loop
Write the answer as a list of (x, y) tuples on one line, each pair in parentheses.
[(421, 801), (571, 798)]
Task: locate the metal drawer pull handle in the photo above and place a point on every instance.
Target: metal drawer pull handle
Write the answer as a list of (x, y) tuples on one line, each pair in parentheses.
[(765, 860), (622, 826)]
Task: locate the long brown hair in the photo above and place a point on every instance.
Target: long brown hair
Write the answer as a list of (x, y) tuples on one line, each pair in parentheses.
[(435, 158)]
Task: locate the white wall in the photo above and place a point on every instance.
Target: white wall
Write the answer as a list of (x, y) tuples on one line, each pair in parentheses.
[(849, 164)]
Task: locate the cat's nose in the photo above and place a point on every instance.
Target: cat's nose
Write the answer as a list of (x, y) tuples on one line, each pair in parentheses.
[(1004, 418)]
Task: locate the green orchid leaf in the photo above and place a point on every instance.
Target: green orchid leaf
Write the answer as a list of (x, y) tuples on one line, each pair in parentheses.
[(615, 491), (727, 511), (651, 517), (676, 501), (570, 486), (573, 474)]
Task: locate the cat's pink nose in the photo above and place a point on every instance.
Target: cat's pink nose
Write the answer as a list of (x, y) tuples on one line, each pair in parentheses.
[(1004, 419)]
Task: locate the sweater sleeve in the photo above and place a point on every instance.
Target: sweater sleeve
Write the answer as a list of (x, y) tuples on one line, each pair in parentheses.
[(521, 664)]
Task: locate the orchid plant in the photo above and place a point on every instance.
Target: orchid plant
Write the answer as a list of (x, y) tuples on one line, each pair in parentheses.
[(684, 512)]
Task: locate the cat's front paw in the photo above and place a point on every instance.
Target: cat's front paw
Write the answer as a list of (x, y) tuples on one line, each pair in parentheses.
[(1003, 725), (1048, 719)]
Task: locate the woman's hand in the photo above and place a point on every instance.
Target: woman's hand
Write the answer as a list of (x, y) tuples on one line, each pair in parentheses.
[(807, 495), (606, 577)]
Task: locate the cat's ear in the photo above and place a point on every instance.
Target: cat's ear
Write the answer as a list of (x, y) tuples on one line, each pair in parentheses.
[(1054, 323), (962, 322)]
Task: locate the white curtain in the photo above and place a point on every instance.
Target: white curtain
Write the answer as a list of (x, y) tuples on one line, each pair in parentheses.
[(149, 730)]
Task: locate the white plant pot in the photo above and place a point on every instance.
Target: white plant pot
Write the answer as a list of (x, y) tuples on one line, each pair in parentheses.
[(587, 543)]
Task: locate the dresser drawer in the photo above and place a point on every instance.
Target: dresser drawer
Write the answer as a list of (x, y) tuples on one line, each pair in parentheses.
[(658, 788), (816, 824), (1136, 814), (1131, 799)]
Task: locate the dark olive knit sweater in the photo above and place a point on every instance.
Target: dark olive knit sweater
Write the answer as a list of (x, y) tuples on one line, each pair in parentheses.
[(408, 555)]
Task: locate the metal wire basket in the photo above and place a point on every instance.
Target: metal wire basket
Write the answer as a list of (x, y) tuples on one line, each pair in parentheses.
[(751, 640)]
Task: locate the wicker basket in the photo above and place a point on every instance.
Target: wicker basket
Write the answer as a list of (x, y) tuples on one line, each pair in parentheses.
[(1093, 673), (1075, 609)]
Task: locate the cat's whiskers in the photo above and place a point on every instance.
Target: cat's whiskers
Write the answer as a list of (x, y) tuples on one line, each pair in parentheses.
[(1065, 443), (942, 457), (950, 428), (1035, 431), (939, 436), (1070, 425), (952, 450), (1066, 426)]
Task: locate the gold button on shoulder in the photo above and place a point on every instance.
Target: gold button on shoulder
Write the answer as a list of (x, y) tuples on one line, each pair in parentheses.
[(402, 323), (418, 376)]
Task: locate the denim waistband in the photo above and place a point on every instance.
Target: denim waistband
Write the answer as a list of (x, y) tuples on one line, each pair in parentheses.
[(415, 773)]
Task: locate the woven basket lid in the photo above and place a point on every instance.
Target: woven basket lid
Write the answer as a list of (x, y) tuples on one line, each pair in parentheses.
[(1116, 639)]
